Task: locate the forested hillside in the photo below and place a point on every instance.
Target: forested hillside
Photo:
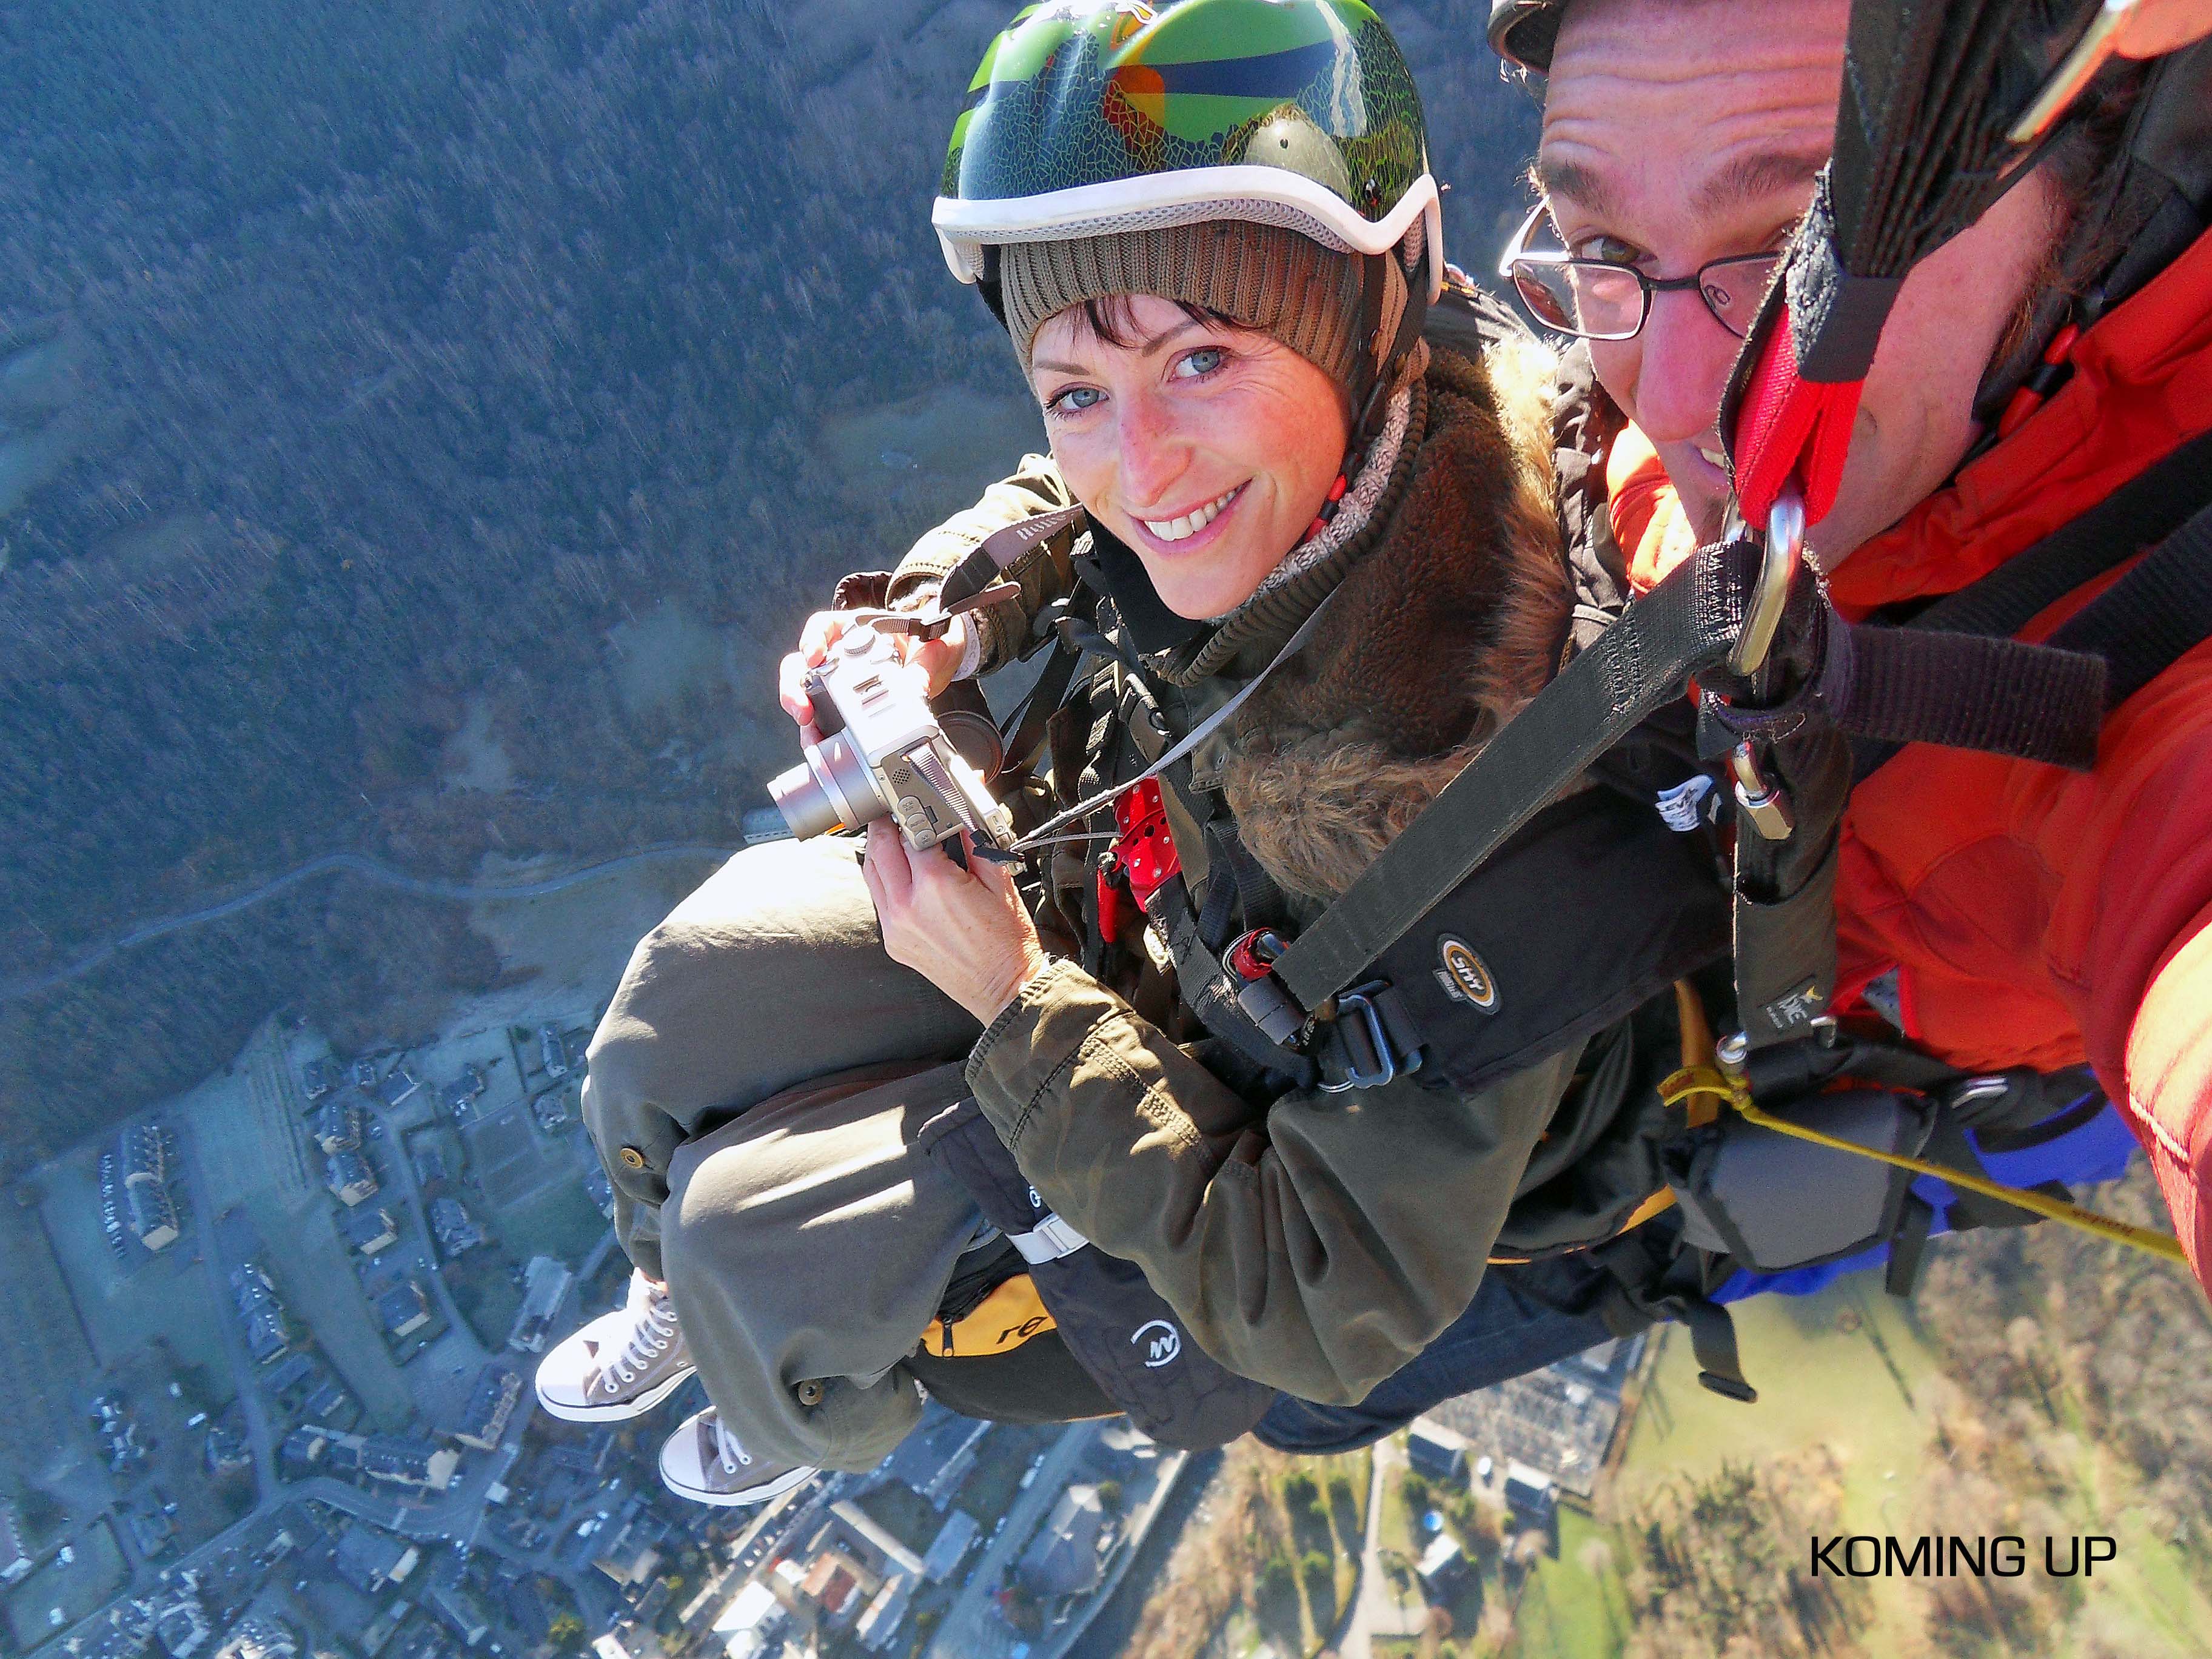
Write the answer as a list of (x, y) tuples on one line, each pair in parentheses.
[(365, 372)]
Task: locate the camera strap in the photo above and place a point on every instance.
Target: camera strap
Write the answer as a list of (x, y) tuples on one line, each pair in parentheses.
[(1191, 740)]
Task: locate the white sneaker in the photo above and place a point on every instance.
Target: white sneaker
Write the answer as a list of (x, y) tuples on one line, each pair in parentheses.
[(619, 1366), (703, 1462)]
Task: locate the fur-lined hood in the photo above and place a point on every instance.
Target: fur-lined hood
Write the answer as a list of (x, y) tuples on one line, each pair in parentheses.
[(1452, 615)]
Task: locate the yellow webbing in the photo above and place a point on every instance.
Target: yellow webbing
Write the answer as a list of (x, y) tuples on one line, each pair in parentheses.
[(1709, 1081)]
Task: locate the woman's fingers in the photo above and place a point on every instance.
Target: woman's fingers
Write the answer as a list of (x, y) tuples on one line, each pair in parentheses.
[(962, 930), (791, 687), (940, 657), (888, 869), (823, 630)]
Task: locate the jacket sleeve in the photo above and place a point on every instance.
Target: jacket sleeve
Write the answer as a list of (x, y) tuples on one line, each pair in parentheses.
[(2146, 971), (1042, 572), (1317, 1248)]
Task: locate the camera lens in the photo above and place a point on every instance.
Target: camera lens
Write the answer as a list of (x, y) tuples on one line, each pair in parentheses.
[(830, 789)]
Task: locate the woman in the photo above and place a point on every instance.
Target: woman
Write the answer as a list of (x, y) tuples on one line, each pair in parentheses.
[(1210, 232)]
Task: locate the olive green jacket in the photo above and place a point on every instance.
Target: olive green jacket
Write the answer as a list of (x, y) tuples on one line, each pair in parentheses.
[(1316, 1244)]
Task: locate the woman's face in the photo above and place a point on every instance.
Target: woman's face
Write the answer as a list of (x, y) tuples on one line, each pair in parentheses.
[(1206, 448)]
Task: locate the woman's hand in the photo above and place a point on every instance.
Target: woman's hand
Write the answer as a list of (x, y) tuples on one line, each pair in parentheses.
[(940, 659), (964, 931)]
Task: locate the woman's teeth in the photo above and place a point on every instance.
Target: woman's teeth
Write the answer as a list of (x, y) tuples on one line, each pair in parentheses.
[(1174, 530), (1713, 457)]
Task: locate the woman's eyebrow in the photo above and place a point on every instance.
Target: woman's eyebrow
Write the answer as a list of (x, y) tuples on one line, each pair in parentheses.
[(1148, 347), (1144, 346)]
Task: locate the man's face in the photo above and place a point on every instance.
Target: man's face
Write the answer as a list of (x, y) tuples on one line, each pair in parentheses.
[(1677, 133)]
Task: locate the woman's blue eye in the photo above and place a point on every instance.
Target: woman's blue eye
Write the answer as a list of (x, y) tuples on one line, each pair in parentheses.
[(1075, 399), (1202, 361)]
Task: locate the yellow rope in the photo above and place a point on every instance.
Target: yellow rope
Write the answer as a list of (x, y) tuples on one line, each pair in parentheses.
[(1695, 1080)]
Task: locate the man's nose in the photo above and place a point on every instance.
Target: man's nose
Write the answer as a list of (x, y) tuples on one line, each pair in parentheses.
[(1683, 368), (1154, 452)]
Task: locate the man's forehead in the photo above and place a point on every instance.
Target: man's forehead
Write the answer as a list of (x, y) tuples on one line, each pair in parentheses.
[(1702, 103)]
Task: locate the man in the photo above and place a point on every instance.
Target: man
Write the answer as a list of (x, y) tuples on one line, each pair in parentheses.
[(2004, 913)]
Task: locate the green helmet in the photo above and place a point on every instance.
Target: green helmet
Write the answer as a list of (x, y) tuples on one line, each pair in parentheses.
[(1092, 116)]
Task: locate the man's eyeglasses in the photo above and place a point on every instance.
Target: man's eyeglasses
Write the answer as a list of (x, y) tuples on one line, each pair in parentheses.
[(1605, 299)]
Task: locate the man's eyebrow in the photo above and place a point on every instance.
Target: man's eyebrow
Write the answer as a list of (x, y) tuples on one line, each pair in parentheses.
[(1579, 184), (1750, 178)]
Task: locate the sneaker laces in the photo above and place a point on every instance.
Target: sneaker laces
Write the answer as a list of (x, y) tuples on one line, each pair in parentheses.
[(651, 1335), (733, 1454)]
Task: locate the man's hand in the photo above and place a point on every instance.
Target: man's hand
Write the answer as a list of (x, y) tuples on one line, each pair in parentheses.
[(964, 931), (940, 659), (2157, 27)]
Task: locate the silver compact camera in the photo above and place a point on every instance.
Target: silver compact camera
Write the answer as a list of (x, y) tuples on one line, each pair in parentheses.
[(885, 753)]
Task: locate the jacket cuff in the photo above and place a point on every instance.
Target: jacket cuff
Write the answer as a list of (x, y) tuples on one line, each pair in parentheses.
[(1025, 1057)]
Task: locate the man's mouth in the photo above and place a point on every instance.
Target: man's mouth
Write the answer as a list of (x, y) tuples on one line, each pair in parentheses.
[(1182, 528)]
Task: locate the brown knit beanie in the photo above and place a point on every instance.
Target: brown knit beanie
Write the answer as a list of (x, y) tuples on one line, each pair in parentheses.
[(1283, 284)]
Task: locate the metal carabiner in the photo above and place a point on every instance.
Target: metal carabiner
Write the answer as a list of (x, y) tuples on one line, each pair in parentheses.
[(1386, 1069), (1777, 573), (1764, 803)]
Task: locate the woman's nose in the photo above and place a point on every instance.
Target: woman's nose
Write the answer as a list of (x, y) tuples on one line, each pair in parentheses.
[(1682, 370), (1154, 452)]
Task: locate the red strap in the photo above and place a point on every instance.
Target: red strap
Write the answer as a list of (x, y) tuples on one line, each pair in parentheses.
[(1789, 426)]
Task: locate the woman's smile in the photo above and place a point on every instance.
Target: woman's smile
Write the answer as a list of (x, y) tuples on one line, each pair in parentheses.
[(1188, 531)]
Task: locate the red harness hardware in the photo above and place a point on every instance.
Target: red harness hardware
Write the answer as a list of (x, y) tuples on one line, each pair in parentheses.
[(1144, 850), (1143, 855)]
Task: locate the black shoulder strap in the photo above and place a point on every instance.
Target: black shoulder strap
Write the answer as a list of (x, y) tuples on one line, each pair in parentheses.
[(1690, 621), (2140, 625)]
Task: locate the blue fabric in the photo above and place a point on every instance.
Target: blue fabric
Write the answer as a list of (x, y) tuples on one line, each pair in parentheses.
[(2097, 1150), (1523, 1318)]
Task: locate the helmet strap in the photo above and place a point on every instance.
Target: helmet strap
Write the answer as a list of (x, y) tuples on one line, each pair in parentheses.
[(988, 286), (1370, 394)]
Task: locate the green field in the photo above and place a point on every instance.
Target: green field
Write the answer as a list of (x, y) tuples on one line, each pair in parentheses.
[(77, 1589), (557, 1220), (1867, 1394), (1573, 1606), (128, 1303), (1850, 1370)]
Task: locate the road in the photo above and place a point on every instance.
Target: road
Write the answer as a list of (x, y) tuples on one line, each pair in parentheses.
[(972, 1628), (1378, 1609), (352, 864)]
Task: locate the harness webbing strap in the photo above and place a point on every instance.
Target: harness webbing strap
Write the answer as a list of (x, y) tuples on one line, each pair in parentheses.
[(2147, 508), (2140, 626), (1705, 1080), (1689, 621), (2152, 617)]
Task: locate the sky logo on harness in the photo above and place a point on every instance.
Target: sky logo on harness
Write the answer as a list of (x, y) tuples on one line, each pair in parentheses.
[(1165, 1343), (1464, 976)]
